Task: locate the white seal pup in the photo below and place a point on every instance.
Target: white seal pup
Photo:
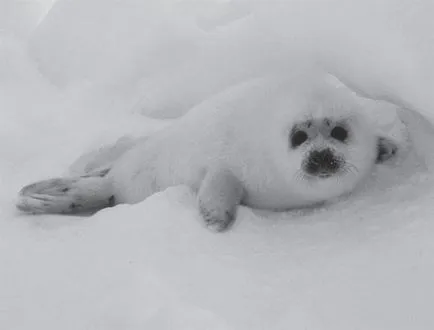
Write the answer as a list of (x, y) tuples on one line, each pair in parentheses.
[(268, 144)]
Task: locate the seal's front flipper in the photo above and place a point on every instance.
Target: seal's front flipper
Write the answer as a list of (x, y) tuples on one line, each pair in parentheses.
[(218, 199), (67, 195), (386, 149)]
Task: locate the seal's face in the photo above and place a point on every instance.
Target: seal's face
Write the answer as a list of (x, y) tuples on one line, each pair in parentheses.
[(325, 145)]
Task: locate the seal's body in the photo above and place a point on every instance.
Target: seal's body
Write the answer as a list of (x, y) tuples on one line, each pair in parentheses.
[(268, 143)]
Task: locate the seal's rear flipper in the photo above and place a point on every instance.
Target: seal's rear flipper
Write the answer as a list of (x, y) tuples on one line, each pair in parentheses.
[(67, 195)]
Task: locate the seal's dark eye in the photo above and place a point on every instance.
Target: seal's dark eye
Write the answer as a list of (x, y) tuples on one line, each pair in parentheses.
[(298, 138), (339, 133)]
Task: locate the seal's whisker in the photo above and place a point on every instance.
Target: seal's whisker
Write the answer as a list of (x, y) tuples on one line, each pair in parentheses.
[(350, 168)]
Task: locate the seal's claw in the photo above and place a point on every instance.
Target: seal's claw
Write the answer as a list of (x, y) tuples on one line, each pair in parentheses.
[(217, 220)]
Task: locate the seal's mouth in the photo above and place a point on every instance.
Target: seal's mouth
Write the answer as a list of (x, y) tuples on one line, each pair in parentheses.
[(319, 176), (324, 175)]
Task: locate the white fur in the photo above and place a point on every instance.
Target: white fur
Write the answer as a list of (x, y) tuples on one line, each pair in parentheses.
[(246, 130)]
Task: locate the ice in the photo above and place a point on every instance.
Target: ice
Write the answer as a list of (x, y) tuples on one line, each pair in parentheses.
[(89, 72)]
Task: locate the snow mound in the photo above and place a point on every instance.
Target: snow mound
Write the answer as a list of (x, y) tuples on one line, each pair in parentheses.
[(161, 57)]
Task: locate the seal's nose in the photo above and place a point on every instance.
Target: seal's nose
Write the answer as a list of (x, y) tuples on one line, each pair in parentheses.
[(322, 162)]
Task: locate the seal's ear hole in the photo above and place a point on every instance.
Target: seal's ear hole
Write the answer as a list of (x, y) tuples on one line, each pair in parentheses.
[(386, 149)]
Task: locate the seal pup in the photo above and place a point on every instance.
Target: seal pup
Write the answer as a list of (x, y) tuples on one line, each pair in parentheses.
[(269, 143)]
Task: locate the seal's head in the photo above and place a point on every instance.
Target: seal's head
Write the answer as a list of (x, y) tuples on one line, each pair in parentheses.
[(335, 146), (331, 147)]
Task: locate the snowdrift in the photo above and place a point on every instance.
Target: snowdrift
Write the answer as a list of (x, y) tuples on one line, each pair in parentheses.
[(161, 57)]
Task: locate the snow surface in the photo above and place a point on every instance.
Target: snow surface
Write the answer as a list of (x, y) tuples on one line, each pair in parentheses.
[(86, 76)]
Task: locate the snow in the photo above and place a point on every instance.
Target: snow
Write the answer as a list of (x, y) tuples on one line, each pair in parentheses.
[(363, 262)]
